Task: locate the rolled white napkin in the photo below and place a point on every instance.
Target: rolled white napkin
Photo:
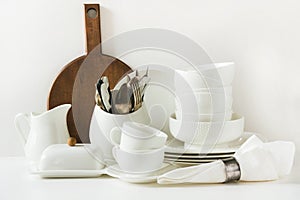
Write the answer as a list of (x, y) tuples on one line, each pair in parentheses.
[(257, 161)]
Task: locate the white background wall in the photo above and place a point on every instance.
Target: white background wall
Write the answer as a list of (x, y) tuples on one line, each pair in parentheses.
[(37, 38)]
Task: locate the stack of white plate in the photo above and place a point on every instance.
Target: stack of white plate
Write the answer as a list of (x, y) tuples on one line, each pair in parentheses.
[(177, 153)]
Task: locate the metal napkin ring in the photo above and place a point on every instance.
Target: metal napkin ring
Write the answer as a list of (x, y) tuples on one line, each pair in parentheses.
[(232, 169)]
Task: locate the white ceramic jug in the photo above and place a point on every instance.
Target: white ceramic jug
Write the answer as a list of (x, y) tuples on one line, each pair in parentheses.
[(44, 129)]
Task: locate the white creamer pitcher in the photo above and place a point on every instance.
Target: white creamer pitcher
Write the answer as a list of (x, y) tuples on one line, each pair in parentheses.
[(44, 129)]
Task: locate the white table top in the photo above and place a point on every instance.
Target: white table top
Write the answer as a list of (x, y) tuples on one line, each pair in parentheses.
[(17, 183)]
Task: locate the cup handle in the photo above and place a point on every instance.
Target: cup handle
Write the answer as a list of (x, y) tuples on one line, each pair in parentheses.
[(114, 153), (115, 136), (18, 119)]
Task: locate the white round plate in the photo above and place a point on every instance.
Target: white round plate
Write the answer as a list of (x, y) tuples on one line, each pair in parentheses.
[(177, 147), (197, 156)]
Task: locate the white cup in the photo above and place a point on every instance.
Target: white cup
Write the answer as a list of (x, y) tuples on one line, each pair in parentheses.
[(108, 121), (207, 133), (139, 161), (137, 137)]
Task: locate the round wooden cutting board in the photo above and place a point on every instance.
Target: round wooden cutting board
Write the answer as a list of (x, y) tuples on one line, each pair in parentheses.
[(75, 84)]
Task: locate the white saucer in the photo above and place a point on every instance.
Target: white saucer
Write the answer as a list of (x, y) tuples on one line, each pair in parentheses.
[(148, 177), (177, 147), (69, 173)]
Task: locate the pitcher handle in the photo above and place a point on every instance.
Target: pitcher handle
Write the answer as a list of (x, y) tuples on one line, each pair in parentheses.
[(18, 119)]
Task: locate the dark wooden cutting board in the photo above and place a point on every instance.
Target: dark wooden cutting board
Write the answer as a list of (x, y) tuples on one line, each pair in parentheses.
[(75, 84)]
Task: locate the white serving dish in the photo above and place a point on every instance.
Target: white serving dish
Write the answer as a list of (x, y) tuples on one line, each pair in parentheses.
[(70, 173), (204, 133), (65, 157)]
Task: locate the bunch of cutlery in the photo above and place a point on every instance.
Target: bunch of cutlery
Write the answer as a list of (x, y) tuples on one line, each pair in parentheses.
[(127, 99)]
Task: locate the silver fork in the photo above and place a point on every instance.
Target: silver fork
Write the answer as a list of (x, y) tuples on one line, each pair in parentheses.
[(136, 94)]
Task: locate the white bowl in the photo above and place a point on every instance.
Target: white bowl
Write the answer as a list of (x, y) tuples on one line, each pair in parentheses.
[(202, 102), (65, 157), (145, 161), (203, 133), (209, 75), (204, 117)]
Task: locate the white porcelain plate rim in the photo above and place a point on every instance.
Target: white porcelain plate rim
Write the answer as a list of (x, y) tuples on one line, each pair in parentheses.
[(229, 149), (199, 157)]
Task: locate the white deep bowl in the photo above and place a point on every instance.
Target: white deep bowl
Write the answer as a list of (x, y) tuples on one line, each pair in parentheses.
[(204, 117), (203, 133), (145, 161), (209, 75), (217, 100)]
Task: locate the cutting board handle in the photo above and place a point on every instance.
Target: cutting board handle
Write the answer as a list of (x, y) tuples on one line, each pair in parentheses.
[(92, 26)]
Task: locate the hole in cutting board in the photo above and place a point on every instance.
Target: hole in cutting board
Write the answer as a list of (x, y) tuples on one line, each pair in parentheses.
[(92, 13)]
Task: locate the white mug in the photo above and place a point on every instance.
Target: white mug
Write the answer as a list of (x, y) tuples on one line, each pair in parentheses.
[(108, 121), (137, 137), (139, 161)]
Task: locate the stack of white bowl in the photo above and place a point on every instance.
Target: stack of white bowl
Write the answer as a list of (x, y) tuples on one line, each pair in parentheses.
[(203, 112)]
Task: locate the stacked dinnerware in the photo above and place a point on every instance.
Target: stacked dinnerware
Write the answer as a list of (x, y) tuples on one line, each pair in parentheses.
[(203, 115), (138, 148)]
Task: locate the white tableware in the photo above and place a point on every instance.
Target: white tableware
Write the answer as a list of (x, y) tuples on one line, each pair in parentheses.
[(100, 142), (65, 157), (204, 76), (198, 102), (197, 157), (205, 133), (159, 101), (148, 177), (136, 137), (43, 130), (176, 147), (204, 117), (146, 161), (70, 173), (108, 121), (253, 161)]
